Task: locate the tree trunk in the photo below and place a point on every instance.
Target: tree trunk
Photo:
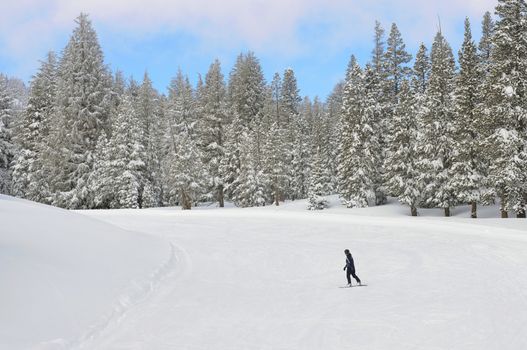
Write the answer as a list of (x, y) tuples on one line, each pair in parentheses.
[(447, 211), (186, 204), (504, 214), (414, 211), (221, 199), (474, 211)]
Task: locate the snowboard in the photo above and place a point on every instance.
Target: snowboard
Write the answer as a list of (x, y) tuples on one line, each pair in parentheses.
[(353, 286)]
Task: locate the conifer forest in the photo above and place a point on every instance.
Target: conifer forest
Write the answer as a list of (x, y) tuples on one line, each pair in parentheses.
[(433, 128)]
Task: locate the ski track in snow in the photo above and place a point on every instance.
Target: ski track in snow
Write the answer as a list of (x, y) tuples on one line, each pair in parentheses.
[(249, 279)]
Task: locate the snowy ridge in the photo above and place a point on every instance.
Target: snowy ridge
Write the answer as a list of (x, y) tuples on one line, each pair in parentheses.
[(70, 276)]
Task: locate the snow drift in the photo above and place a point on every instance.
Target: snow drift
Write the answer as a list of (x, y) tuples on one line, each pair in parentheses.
[(65, 276)]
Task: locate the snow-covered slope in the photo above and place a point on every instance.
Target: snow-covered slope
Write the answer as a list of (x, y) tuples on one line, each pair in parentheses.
[(259, 278), (65, 277), (267, 278)]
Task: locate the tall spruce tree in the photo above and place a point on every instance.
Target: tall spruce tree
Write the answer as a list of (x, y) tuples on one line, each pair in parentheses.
[(7, 148), (185, 173), (357, 161), (290, 116), (277, 152), (246, 96), (29, 178), (214, 122), (505, 109), (436, 141), (83, 101), (146, 106), (467, 164), (401, 176)]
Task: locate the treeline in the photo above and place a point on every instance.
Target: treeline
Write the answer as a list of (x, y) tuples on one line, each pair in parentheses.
[(428, 132)]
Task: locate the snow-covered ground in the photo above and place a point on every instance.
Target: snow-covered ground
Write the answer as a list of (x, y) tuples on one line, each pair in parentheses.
[(263, 278), (65, 277)]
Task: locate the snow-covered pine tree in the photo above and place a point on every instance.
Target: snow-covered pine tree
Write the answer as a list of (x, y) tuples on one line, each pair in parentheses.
[(357, 164), (246, 96), (401, 174), (127, 155), (7, 148), (214, 122), (467, 164), (376, 115), (276, 151), (290, 119), (83, 91), (185, 174), (29, 179), (505, 109), (147, 110), (436, 141)]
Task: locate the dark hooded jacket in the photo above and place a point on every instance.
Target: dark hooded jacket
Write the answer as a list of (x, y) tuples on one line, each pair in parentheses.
[(350, 265)]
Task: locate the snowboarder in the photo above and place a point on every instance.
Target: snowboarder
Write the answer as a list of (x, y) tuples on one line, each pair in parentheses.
[(350, 268)]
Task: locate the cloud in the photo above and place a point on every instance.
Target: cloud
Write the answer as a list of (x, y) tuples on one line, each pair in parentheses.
[(284, 27)]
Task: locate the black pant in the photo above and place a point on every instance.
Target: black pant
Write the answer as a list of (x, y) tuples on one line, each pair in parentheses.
[(351, 272)]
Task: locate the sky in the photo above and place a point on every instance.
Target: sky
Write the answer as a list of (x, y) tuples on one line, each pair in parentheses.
[(313, 37)]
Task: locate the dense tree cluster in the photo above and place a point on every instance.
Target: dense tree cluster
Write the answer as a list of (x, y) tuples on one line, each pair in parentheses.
[(431, 134)]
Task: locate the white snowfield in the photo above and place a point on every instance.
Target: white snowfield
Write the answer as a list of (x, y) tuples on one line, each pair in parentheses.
[(262, 278)]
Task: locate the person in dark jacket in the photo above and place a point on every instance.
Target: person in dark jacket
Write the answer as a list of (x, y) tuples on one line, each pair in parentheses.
[(350, 268)]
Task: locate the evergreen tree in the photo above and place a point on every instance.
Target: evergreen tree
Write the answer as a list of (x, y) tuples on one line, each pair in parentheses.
[(380, 129), (185, 174), (149, 119), (83, 91), (505, 109), (290, 119), (357, 159), (29, 179), (7, 148), (214, 122), (276, 150), (467, 165), (435, 146), (401, 176), (246, 95)]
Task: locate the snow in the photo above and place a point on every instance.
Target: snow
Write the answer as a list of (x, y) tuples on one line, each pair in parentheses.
[(66, 276), (268, 278), (509, 91)]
